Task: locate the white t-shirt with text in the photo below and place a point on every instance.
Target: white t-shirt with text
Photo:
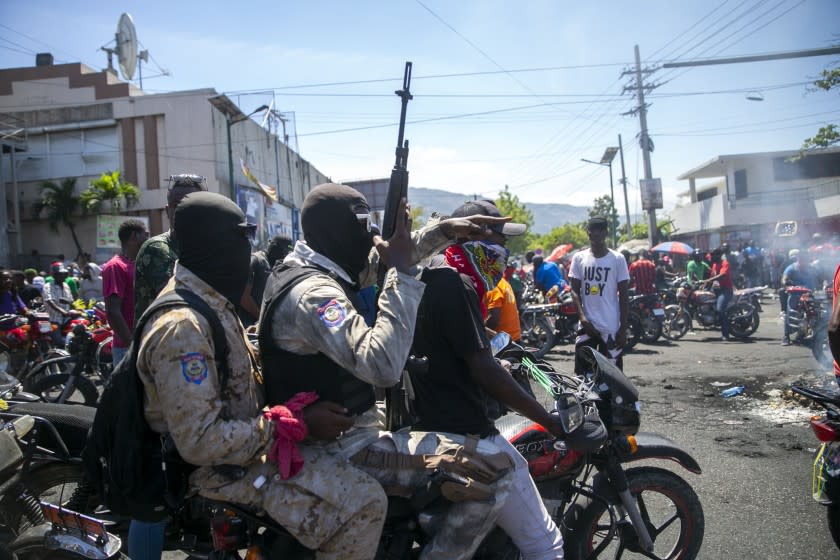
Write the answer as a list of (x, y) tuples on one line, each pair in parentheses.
[(599, 278)]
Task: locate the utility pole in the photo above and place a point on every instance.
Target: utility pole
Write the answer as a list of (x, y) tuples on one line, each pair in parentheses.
[(644, 140), (624, 184)]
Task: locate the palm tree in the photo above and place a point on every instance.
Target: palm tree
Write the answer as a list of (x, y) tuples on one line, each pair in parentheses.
[(111, 188), (60, 202)]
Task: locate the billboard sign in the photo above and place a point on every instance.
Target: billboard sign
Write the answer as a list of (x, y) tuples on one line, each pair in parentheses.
[(651, 193)]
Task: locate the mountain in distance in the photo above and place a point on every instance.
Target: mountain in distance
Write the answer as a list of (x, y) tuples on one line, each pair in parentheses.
[(546, 215)]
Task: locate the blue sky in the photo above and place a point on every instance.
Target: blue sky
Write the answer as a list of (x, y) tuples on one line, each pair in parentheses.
[(548, 80)]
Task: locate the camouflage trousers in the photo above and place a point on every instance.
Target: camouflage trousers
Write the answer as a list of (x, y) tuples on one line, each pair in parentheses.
[(330, 506), (466, 523)]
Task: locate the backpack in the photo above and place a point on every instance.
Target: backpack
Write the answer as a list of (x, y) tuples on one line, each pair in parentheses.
[(138, 472)]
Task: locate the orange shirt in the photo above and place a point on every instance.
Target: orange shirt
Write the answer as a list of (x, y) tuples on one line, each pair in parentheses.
[(501, 297)]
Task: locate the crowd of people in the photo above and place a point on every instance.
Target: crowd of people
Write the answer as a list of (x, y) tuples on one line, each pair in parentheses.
[(309, 401)]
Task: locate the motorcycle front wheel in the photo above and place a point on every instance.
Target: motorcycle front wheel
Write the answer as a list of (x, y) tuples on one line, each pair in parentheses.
[(51, 389), (743, 320), (677, 322), (651, 329), (669, 506), (538, 332), (634, 332)]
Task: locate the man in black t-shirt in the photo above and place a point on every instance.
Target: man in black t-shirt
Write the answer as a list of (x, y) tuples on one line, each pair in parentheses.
[(450, 393)]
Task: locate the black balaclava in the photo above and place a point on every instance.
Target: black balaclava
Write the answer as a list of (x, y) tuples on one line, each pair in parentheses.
[(331, 228), (211, 234)]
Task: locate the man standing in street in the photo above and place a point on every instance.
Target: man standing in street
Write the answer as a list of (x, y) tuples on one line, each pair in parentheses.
[(642, 274), (722, 273), (157, 256), (600, 279), (118, 285), (57, 300), (798, 273)]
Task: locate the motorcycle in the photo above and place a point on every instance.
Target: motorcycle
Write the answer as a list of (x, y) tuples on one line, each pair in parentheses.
[(25, 342), (644, 322), (546, 325), (809, 323), (646, 510), (32, 528), (698, 305), (58, 380), (825, 484)]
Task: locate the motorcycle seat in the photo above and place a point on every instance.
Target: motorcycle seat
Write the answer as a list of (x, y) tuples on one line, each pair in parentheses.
[(71, 421)]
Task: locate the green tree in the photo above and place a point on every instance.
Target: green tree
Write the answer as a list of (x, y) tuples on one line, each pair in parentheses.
[(109, 187), (567, 233), (665, 227), (829, 134), (603, 206), (60, 203), (417, 215), (509, 205)]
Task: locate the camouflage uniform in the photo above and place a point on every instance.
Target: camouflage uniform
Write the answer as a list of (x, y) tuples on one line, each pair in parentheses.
[(317, 317), (329, 506), (152, 270)]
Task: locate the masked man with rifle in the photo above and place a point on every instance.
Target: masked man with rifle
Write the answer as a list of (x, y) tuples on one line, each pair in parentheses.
[(312, 339)]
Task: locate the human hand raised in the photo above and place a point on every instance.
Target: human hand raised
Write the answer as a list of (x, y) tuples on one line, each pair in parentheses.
[(396, 251), (474, 227), (326, 420)]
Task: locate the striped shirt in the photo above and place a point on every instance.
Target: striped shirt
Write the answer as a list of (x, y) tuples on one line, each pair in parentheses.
[(643, 275)]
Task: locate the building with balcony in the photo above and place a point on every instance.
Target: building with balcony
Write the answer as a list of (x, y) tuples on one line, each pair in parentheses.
[(70, 121), (750, 194)]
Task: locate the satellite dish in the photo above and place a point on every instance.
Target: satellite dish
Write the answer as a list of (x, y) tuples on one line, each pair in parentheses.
[(127, 46)]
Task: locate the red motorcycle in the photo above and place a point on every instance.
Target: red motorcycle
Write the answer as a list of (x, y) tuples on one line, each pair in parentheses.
[(25, 342), (646, 510), (700, 306), (825, 484), (808, 322)]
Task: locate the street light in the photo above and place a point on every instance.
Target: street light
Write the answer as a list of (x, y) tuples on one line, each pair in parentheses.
[(232, 116), (606, 161)]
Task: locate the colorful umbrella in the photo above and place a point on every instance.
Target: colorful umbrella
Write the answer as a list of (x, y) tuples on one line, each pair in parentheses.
[(676, 247), (559, 252)]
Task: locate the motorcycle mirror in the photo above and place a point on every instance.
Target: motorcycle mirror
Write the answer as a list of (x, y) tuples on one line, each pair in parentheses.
[(499, 342), (570, 412)]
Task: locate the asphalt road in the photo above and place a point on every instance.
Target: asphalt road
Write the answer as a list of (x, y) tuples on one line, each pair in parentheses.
[(756, 449)]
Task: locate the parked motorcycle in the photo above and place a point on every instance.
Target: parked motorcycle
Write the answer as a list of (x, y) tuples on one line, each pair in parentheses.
[(647, 509), (25, 342), (69, 378), (809, 323), (698, 305), (544, 326), (32, 528), (644, 323), (825, 484)]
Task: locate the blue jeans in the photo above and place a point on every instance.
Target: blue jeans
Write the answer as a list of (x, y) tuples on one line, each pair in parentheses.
[(792, 303), (145, 540), (722, 303), (118, 354)]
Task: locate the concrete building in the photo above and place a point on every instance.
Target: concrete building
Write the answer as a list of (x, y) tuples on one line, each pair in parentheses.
[(756, 192), (70, 121)]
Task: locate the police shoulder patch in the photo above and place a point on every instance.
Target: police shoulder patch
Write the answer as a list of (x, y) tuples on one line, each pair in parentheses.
[(332, 313), (194, 367)]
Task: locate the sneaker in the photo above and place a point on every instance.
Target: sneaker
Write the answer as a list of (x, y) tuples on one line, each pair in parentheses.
[(724, 339), (785, 341)]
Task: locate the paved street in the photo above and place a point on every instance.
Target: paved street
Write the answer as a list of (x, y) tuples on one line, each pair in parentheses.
[(756, 449)]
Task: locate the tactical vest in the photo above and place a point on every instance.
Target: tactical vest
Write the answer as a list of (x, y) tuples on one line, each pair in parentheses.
[(286, 373)]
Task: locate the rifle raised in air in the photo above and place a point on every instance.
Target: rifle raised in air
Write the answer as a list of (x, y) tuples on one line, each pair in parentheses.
[(398, 187)]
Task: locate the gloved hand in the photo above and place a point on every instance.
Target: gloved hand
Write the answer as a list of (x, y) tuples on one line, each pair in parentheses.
[(289, 428)]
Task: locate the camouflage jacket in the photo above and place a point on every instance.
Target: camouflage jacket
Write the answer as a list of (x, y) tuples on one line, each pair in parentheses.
[(183, 397), (153, 269)]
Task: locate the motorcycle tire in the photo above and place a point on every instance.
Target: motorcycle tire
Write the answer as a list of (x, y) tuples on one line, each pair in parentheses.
[(743, 320), (541, 336), (833, 516), (634, 332), (58, 362), (651, 330), (677, 322), (53, 483), (670, 503), (50, 387)]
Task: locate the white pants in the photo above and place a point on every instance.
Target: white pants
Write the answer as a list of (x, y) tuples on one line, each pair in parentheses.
[(523, 515)]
